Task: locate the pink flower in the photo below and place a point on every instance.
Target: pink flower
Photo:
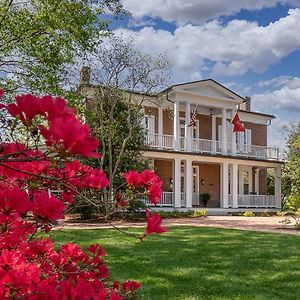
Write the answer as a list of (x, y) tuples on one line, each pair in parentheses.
[(96, 250), (47, 207), (148, 177), (72, 134), (1, 94), (130, 286), (56, 107), (26, 108), (14, 199), (133, 178), (95, 179), (154, 224), (155, 192)]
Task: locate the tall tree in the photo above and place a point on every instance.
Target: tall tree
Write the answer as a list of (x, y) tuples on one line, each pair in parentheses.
[(39, 38), (291, 173), (123, 78)]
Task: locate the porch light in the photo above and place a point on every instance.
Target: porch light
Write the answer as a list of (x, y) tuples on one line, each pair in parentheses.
[(202, 181), (171, 180)]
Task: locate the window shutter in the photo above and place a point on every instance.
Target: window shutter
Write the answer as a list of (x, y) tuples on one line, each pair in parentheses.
[(229, 135), (219, 137), (240, 141), (248, 139)]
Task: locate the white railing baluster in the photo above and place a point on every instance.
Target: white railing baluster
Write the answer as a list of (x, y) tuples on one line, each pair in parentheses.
[(165, 141), (256, 201)]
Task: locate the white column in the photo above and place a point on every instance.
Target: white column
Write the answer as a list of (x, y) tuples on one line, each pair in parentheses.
[(213, 134), (177, 182), (186, 127), (221, 185), (224, 135), (233, 140), (225, 184), (160, 126), (241, 181), (176, 126), (234, 185), (278, 186), (256, 181), (189, 183)]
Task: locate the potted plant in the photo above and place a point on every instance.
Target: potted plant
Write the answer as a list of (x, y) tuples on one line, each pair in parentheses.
[(205, 198)]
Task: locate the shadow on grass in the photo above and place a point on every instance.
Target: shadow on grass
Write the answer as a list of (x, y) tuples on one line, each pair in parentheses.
[(201, 263)]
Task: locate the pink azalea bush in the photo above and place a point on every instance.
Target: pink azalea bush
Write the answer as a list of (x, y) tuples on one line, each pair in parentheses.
[(30, 266)]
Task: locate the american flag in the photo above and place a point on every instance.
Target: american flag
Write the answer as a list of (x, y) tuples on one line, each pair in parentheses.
[(193, 118)]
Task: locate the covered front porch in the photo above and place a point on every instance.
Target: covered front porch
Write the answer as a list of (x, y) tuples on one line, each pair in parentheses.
[(224, 183)]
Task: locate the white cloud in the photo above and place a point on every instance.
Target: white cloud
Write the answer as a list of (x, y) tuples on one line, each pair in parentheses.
[(233, 49), (277, 82), (276, 133), (195, 11), (285, 97)]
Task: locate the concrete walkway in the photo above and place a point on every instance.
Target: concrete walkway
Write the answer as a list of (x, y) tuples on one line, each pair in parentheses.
[(264, 224)]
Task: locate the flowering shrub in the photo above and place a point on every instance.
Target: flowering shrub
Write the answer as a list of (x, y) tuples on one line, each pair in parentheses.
[(44, 158)]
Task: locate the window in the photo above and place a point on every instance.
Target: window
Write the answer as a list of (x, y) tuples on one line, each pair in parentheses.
[(149, 123), (243, 140), (246, 182), (195, 129)]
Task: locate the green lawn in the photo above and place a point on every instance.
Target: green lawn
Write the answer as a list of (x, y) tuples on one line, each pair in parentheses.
[(201, 263)]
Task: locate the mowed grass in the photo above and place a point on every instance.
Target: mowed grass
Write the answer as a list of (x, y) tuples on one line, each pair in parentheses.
[(201, 263)]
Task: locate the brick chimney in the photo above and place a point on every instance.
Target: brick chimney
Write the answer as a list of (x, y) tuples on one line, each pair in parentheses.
[(85, 75), (246, 105)]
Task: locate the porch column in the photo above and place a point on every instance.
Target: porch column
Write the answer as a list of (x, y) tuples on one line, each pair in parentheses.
[(234, 185), (224, 135), (256, 181), (160, 127), (225, 184), (241, 180), (189, 183), (233, 138), (176, 126), (213, 134), (177, 182), (278, 186), (186, 127)]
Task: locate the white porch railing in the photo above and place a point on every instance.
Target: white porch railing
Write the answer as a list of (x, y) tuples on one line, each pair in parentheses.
[(254, 201), (167, 199), (167, 142)]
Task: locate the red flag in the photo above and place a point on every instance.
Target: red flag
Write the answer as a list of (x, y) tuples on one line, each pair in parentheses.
[(238, 126)]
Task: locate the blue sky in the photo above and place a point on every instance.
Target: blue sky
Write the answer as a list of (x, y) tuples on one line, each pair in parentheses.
[(252, 47)]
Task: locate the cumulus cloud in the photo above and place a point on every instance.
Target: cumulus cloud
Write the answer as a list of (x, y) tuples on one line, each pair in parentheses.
[(289, 81), (231, 49), (285, 97), (195, 11), (277, 134)]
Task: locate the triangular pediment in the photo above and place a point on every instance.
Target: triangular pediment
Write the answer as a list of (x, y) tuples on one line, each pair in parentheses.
[(209, 88)]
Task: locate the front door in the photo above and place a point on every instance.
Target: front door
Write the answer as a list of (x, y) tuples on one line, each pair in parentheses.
[(196, 198)]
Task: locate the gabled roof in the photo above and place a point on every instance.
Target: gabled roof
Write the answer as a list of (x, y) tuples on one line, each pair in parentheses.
[(201, 81)]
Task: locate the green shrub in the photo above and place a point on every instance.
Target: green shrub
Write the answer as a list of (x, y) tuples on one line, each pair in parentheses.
[(175, 214), (200, 213), (280, 213), (249, 213), (265, 213), (292, 203), (205, 198)]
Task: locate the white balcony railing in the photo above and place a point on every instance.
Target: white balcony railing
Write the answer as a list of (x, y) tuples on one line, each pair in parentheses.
[(255, 201), (167, 142)]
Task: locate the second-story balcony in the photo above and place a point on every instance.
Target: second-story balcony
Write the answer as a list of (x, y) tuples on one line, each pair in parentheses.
[(196, 145)]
